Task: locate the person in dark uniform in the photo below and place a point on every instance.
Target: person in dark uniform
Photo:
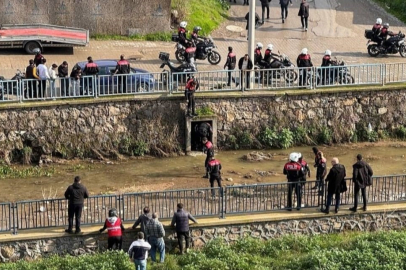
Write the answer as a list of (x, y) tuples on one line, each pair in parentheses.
[(306, 168), (76, 194), (294, 172), (334, 178), (214, 170), (304, 61), (362, 177), (230, 65), (122, 68), (376, 29), (265, 5), (271, 59), (328, 74), (258, 54), (321, 171), (38, 57), (115, 229), (63, 73), (91, 69), (32, 83), (182, 34), (191, 86), (208, 149)]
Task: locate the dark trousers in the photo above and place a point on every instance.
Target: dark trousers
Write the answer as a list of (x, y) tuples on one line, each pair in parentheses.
[(245, 2), (297, 187), (247, 78), (190, 96), (88, 85), (42, 88), (265, 6), (64, 87), (303, 77), (284, 12), (214, 178), (330, 198), (181, 236), (304, 21), (230, 77), (122, 84), (356, 194), (115, 241), (74, 210), (32, 88)]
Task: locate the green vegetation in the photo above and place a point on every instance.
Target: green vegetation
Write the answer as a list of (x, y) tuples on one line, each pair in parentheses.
[(132, 147), (14, 172), (395, 7), (160, 36), (204, 111), (362, 251)]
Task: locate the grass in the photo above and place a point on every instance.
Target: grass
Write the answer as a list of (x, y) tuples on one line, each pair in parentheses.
[(160, 36), (7, 171), (394, 7)]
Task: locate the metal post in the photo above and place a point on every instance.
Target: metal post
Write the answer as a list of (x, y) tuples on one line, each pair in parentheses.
[(15, 218), (222, 198), (251, 36), (95, 87), (120, 200), (383, 73)]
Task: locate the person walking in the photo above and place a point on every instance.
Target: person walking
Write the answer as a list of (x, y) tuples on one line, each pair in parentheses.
[(334, 179), (247, 18), (53, 74), (245, 65), (63, 73), (122, 68), (284, 8), (362, 177), (76, 194), (294, 172), (32, 80), (138, 252), (214, 170), (115, 229), (155, 235), (304, 14), (181, 219), (43, 77), (265, 5), (230, 65), (143, 219)]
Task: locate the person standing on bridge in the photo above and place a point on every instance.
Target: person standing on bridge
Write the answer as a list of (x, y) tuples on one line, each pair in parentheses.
[(91, 69), (143, 219), (362, 177), (230, 65), (304, 14), (245, 65), (32, 77), (43, 77), (76, 194), (335, 179), (304, 61), (63, 73), (38, 56), (294, 172), (284, 8), (122, 68)]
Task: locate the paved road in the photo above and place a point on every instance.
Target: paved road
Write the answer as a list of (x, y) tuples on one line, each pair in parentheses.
[(337, 25)]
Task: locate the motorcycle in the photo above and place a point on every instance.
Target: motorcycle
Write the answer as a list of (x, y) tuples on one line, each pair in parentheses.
[(284, 71), (204, 49), (11, 87), (185, 69), (311, 76), (337, 73), (397, 41)]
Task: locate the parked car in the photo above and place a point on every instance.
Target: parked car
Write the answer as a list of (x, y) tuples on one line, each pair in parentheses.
[(139, 80)]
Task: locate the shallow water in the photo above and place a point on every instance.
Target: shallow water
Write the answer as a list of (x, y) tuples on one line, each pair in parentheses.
[(186, 171)]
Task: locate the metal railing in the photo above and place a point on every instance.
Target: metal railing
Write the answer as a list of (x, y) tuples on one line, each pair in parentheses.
[(200, 202), (213, 81)]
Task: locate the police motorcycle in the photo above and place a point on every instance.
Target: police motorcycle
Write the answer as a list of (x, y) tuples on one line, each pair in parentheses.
[(337, 73), (11, 87), (181, 72), (204, 50), (397, 45), (283, 71)]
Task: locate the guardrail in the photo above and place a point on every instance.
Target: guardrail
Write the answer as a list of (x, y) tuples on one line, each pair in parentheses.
[(200, 202), (213, 81)]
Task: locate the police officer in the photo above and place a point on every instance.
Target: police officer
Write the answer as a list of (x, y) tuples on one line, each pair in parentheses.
[(387, 43), (115, 230), (304, 61), (195, 34), (191, 86), (305, 167), (265, 5), (376, 30), (327, 74), (214, 170), (122, 68), (182, 34), (294, 172), (258, 54), (209, 150), (230, 65), (271, 59), (91, 69)]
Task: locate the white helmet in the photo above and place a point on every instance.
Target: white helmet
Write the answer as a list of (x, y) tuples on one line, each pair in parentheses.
[(299, 155), (379, 21), (183, 24), (259, 45), (328, 52), (294, 157), (304, 51), (270, 47)]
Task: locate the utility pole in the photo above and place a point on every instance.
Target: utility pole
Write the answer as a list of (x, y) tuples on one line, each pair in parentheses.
[(251, 36)]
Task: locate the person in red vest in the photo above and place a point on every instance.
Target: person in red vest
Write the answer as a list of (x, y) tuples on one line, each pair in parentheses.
[(214, 170), (294, 172), (230, 65), (191, 86), (122, 68), (115, 230), (208, 149), (91, 69), (304, 61)]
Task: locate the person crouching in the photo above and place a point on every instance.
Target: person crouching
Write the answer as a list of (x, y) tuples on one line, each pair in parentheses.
[(115, 230)]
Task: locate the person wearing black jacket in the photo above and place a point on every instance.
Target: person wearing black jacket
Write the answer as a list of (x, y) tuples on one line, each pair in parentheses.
[(265, 5), (122, 68), (361, 176), (63, 72), (245, 65), (304, 14), (76, 194), (181, 219), (284, 8), (294, 173), (334, 178), (143, 219), (214, 169), (91, 69), (247, 18), (230, 65)]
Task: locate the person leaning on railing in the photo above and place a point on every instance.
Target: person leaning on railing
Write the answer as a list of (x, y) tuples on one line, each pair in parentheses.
[(143, 219)]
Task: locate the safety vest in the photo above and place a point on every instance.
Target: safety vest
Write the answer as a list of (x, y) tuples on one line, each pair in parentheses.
[(114, 229)]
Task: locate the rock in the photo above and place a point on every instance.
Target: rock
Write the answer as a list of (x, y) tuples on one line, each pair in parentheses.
[(7, 251), (382, 110), (257, 156), (229, 179)]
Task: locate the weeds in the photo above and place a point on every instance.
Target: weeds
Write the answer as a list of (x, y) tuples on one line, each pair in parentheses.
[(205, 111), (285, 138)]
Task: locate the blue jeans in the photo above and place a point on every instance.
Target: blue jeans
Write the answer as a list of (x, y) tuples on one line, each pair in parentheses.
[(140, 264), (157, 243)]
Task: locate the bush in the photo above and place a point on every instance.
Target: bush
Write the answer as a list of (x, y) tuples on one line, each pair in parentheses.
[(132, 147), (400, 132), (285, 138), (325, 136), (268, 137)]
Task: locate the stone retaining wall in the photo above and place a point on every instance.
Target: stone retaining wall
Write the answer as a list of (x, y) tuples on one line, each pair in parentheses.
[(76, 245)]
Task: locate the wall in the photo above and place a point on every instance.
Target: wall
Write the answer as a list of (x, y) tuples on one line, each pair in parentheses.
[(97, 128), (76, 245), (100, 17)]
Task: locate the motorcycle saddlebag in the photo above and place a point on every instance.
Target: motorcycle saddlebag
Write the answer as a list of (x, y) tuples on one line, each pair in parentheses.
[(175, 37), (164, 56), (369, 34)]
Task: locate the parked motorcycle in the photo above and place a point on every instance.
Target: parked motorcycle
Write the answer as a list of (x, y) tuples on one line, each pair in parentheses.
[(397, 41), (284, 71), (204, 49), (336, 73), (310, 77), (11, 87), (184, 69)]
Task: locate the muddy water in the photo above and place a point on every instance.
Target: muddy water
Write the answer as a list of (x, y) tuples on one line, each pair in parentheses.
[(187, 171)]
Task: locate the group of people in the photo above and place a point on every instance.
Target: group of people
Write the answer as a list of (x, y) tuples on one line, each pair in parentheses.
[(381, 33), (74, 83), (151, 235), (297, 170)]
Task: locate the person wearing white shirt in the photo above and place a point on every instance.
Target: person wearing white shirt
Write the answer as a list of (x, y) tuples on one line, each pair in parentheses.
[(138, 252), (43, 77), (53, 74)]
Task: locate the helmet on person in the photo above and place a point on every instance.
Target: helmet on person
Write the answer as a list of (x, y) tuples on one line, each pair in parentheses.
[(379, 21), (299, 155), (304, 51), (386, 25), (183, 24), (270, 47), (113, 212), (294, 157), (259, 45), (36, 51), (327, 52), (197, 29)]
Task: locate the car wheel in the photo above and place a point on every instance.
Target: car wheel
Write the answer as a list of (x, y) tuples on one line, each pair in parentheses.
[(143, 87), (31, 46)]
